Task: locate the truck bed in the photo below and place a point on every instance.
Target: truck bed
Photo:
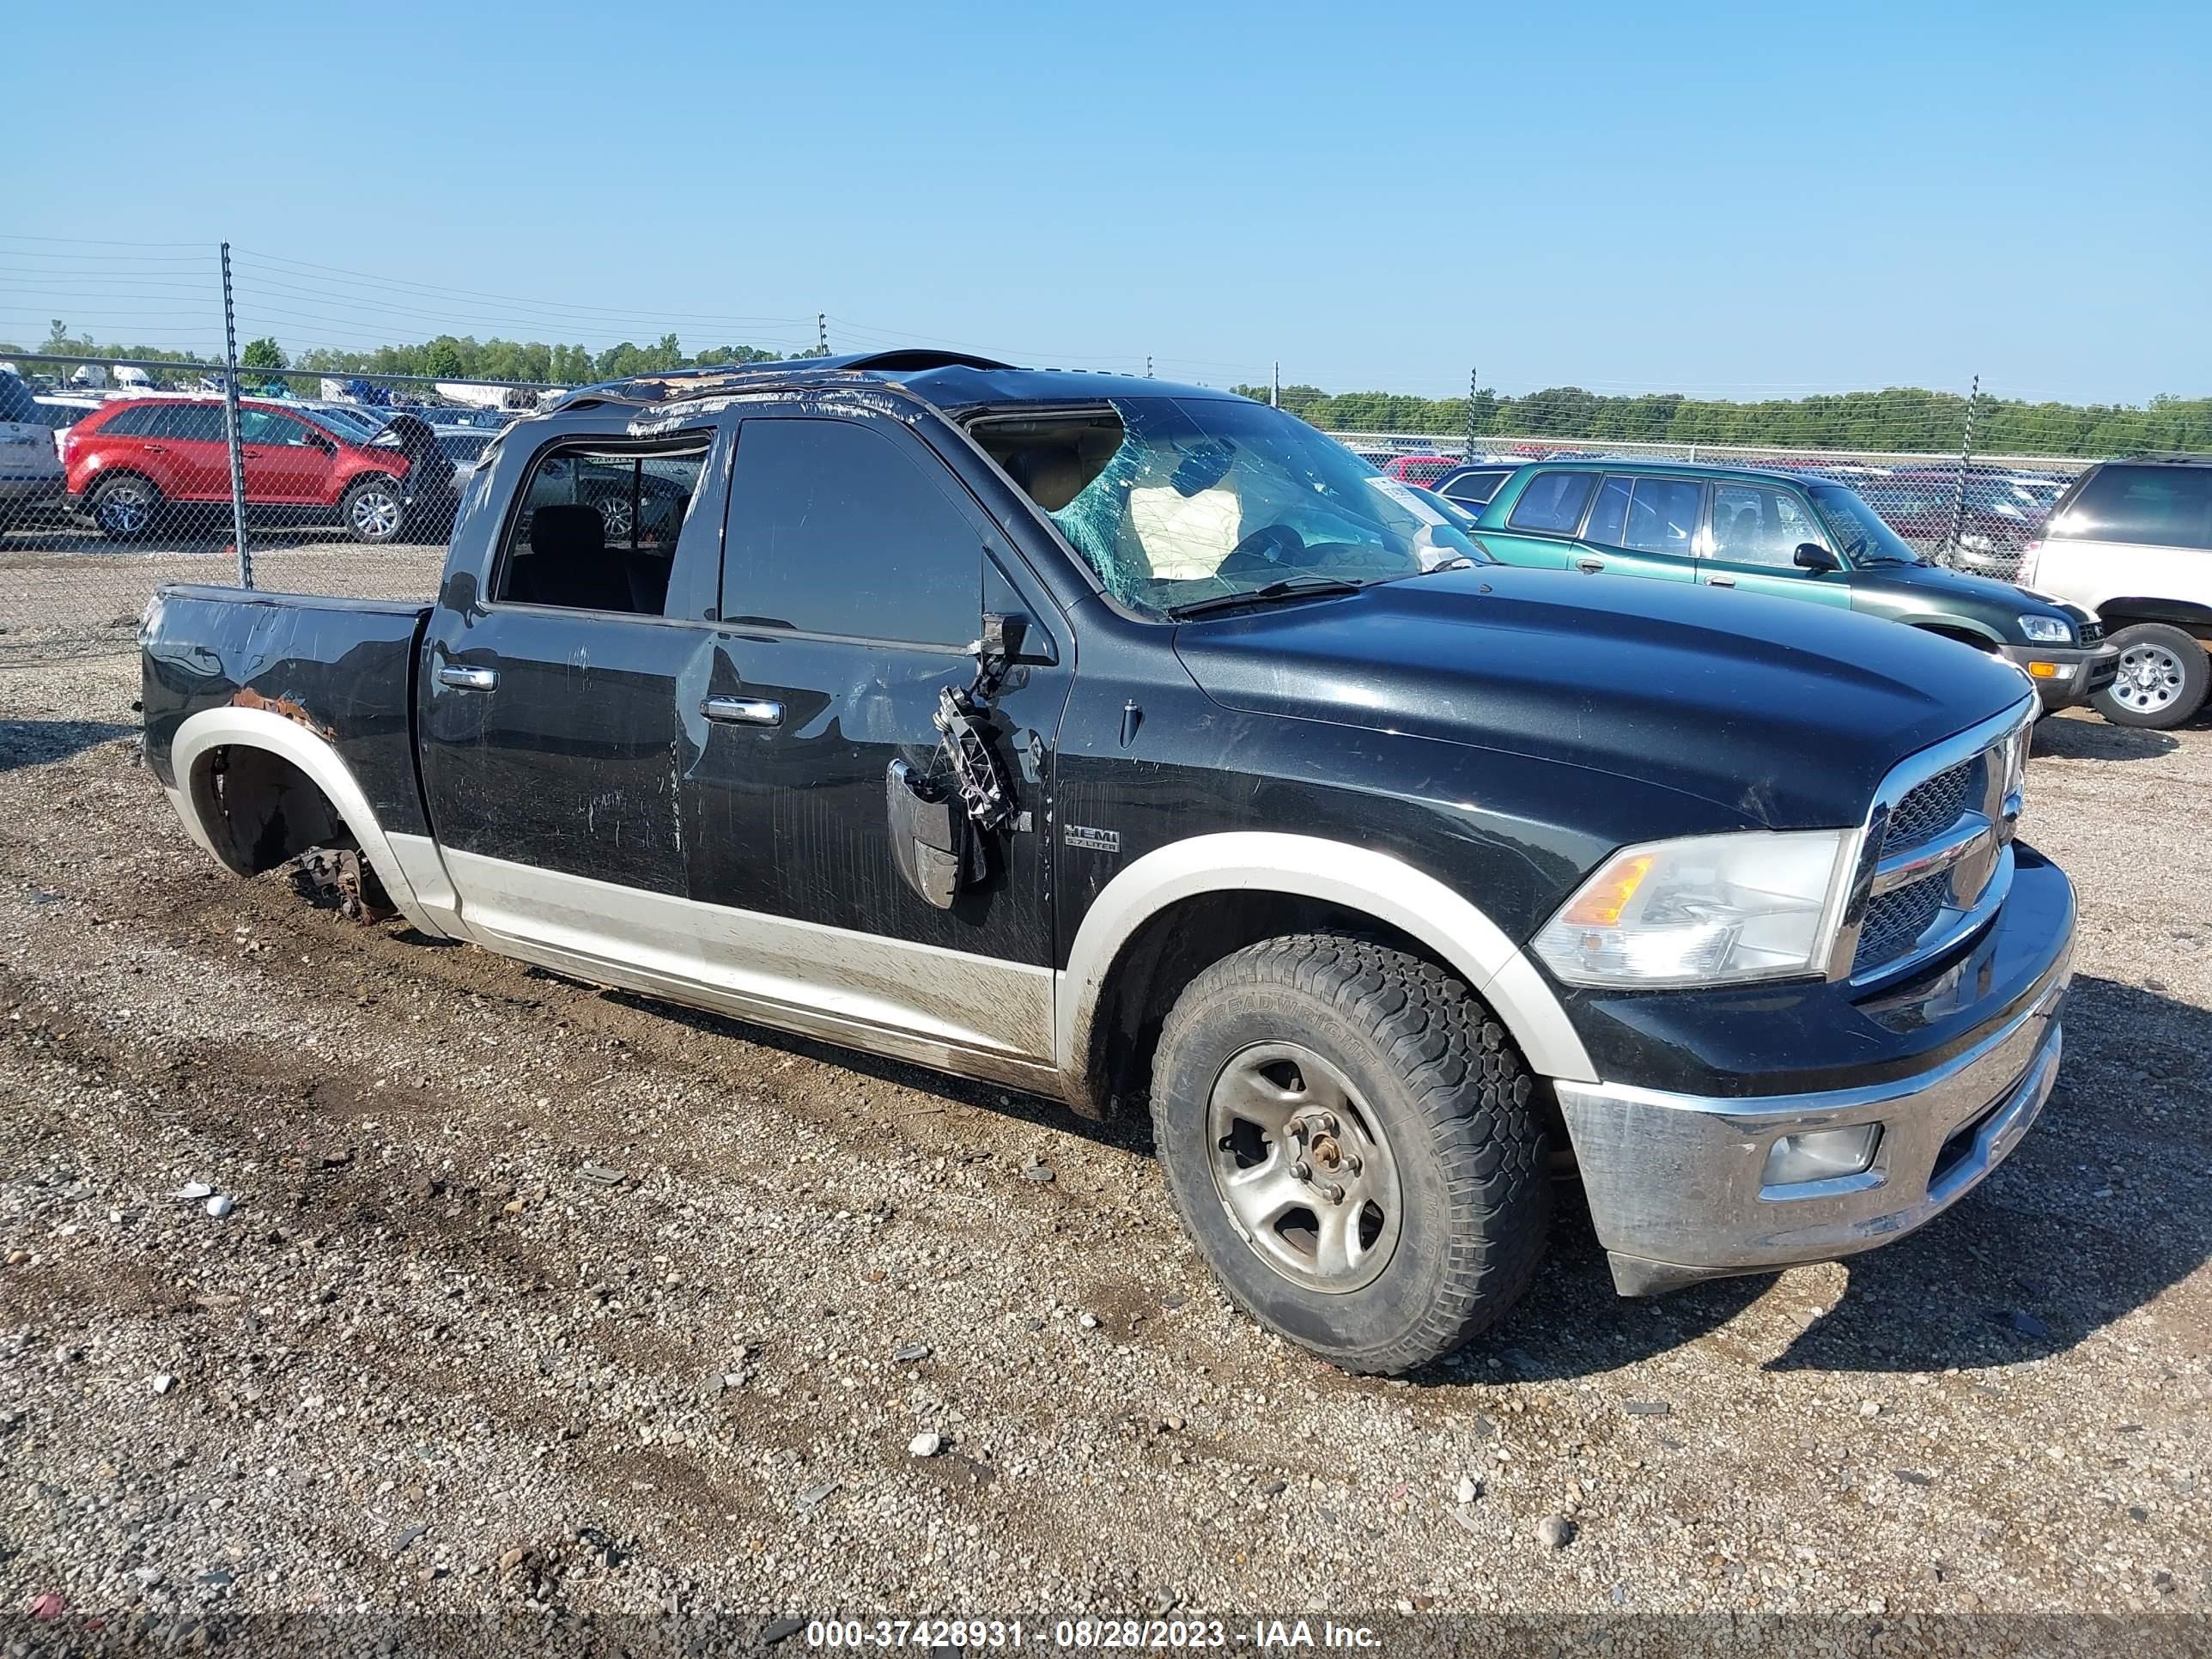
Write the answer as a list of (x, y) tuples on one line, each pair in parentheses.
[(343, 668)]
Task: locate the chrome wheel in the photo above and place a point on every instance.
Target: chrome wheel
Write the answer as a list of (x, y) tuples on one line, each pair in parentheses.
[(615, 514), (1302, 1169), (126, 507), (374, 515), (2150, 678)]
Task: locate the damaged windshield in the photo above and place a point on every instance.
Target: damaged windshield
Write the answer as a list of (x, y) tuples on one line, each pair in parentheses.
[(1178, 501)]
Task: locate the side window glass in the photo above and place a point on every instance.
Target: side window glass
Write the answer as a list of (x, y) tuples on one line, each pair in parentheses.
[(1663, 516), (597, 528), (2155, 506), (834, 528), (194, 423), (129, 423), (1608, 519), (1753, 525), (1553, 502), (265, 426)]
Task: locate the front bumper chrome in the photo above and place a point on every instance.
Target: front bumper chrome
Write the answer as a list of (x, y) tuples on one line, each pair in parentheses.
[(1676, 1182)]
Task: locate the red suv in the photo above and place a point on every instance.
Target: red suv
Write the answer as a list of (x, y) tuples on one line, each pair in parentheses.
[(1422, 470), (137, 456)]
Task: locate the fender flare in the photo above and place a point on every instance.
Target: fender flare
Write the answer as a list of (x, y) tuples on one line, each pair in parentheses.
[(1946, 624), (200, 735), (1337, 873)]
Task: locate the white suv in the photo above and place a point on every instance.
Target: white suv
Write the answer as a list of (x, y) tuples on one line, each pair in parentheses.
[(2132, 541), (30, 466)]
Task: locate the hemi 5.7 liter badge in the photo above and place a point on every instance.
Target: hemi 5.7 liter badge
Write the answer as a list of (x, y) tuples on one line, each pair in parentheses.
[(1096, 841)]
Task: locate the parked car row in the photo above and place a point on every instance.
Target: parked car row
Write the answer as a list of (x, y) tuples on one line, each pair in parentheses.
[(2114, 603), (1137, 745), (127, 461)]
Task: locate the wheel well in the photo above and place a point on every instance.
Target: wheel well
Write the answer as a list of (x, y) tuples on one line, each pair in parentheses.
[(106, 473), (371, 475), (2192, 619), (1172, 948), (260, 811), (1964, 635)]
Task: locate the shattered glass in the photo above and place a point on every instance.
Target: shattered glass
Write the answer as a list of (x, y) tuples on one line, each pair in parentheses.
[(1218, 496)]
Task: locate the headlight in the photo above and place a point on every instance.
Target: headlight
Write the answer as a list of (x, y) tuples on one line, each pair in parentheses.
[(2047, 631), (1703, 910)]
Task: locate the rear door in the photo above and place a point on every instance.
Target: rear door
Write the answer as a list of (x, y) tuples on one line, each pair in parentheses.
[(192, 443), (1752, 544), (856, 575), (1643, 527), (560, 721)]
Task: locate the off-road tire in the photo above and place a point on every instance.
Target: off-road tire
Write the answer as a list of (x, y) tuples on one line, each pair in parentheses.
[(2196, 676), (1445, 1084)]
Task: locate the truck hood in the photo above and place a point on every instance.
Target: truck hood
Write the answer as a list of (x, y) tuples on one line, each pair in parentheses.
[(1936, 588), (1784, 714)]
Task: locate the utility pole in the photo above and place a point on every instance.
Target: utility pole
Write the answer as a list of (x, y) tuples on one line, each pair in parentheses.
[(230, 427), (1275, 388), (1966, 457), (1473, 385), (822, 333)]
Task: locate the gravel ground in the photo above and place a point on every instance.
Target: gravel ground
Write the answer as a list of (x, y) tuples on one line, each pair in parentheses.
[(533, 1296)]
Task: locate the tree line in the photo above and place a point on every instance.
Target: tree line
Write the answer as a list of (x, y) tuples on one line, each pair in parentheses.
[(447, 357), (1903, 418)]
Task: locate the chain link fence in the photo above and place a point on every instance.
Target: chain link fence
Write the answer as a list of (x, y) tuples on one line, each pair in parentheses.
[(336, 468)]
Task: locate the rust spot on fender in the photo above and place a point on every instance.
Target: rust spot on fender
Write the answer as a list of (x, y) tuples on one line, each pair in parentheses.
[(247, 697)]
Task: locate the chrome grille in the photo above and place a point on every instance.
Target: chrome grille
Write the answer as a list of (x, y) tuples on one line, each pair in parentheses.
[(1928, 809), (1895, 921), (1939, 863)]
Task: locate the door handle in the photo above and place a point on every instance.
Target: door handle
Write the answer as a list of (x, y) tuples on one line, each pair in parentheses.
[(157, 449), (1720, 581), (469, 679), (1589, 566), (742, 711)]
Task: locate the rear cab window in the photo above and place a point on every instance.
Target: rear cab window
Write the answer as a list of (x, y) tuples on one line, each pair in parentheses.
[(597, 525), (2152, 505)]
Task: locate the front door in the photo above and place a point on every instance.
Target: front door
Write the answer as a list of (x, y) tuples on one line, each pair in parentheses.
[(559, 723), (857, 571), (1752, 544), (285, 462)]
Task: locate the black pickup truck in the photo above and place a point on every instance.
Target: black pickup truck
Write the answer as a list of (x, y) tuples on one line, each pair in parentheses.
[(1136, 744)]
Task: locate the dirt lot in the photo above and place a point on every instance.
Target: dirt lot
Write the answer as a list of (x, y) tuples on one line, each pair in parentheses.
[(537, 1295)]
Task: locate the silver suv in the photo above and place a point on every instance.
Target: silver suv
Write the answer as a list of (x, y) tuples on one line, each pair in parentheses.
[(2132, 541)]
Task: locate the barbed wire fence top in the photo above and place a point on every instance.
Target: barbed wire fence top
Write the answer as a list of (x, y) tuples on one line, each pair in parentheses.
[(136, 455)]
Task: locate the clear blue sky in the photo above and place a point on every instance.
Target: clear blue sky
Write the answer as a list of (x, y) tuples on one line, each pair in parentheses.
[(1741, 200)]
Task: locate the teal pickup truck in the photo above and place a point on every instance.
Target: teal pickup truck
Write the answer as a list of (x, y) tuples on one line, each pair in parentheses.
[(1785, 533)]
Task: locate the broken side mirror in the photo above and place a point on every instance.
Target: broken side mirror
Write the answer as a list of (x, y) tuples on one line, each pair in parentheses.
[(929, 834)]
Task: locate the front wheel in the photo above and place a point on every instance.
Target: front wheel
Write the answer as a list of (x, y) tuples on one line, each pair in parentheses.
[(374, 510), (2162, 679), (1351, 1139)]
